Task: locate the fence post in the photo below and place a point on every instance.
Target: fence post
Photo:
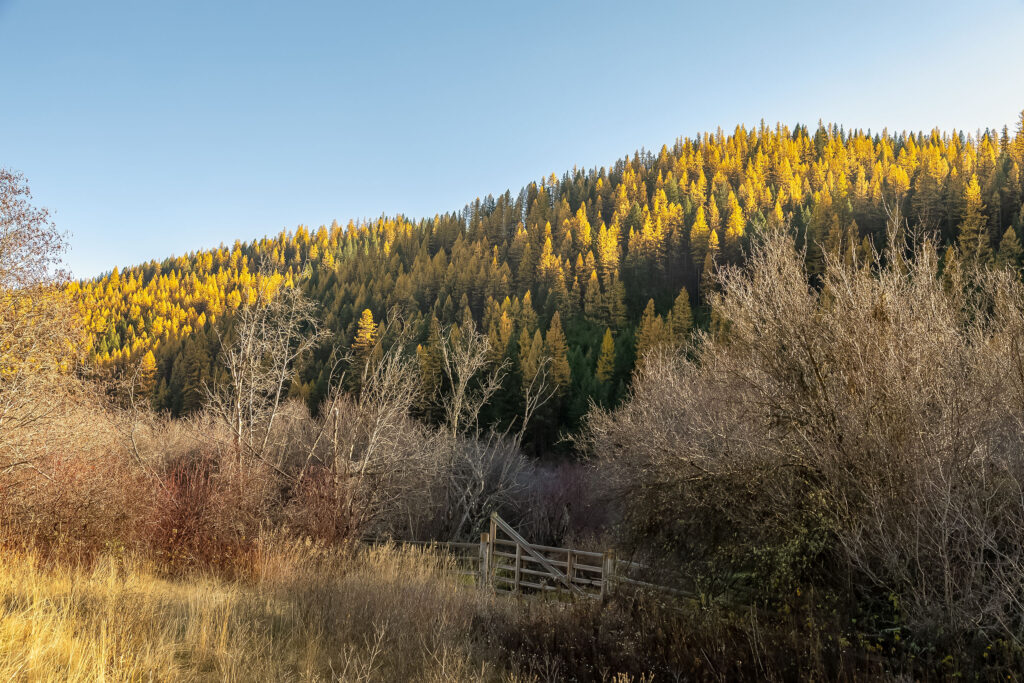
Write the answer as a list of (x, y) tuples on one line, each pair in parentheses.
[(608, 566), (485, 559), (519, 564), (570, 566)]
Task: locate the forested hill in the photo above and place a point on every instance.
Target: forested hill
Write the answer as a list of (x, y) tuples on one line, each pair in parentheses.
[(588, 269)]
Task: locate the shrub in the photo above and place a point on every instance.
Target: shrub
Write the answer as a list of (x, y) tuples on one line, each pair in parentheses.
[(864, 436)]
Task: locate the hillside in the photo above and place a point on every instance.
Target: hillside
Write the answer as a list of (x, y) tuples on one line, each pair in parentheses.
[(589, 269)]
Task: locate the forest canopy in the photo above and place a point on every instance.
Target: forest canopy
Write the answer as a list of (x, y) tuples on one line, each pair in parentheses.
[(576, 276)]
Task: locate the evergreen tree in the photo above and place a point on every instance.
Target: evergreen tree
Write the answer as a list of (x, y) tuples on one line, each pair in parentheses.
[(651, 332), (606, 359), (366, 335), (147, 375), (681, 316), (777, 219), (615, 302), (558, 351), (1009, 249), (974, 240), (593, 301), (707, 275), (531, 357), (197, 376), (950, 269), (735, 226), (429, 355), (527, 316), (700, 233)]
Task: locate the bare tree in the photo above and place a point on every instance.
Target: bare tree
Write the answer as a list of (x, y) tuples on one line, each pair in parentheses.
[(373, 468), (484, 469), (464, 361), (370, 465), (266, 339), (40, 338), (131, 414)]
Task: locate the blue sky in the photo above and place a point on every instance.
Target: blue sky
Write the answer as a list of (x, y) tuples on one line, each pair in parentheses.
[(152, 129)]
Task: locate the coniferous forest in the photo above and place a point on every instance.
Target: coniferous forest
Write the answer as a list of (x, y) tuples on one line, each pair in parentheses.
[(576, 276)]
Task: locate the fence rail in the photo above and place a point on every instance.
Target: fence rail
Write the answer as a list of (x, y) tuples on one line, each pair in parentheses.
[(506, 562), (509, 563)]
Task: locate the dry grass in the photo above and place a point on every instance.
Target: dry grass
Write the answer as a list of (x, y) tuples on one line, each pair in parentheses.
[(304, 614)]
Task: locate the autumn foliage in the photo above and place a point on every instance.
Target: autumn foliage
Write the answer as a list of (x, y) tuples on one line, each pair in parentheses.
[(612, 248)]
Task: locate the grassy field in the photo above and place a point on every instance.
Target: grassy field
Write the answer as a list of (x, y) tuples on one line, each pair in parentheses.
[(303, 614)]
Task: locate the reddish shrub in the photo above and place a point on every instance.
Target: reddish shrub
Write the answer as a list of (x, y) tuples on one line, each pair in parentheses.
[(75, 505), (208, 513), (324, 508)]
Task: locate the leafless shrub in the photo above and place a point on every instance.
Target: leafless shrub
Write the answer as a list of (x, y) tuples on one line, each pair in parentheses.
[(372, 468), (563, 505), (82, 496), (477, 476), (477, 471), (869, 431), (371, 463)]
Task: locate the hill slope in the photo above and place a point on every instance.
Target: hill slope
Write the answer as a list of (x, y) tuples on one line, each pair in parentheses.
[(588, 269)]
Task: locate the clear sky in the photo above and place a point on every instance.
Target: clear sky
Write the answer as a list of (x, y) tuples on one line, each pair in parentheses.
[(155, 128)]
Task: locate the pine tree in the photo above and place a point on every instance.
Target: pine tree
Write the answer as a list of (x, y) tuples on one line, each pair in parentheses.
[(606, 359), (147, 375), (366, 336), (714, 214), (1009, 249), (531, 357), (593, 301), (558, 351), (607, 252), (951, 271), (615, 302), (777, 219), (707, 275), (429, 355), (499, 336), (651, 332), (700, 232), (974, 240), (196, 367), (681, 316), (527, 315), (735, 226)]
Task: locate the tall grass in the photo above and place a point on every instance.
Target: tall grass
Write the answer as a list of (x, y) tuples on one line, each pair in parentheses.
[(303, 614)]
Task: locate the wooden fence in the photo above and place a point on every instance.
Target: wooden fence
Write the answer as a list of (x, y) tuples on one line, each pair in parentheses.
[(507, 563)]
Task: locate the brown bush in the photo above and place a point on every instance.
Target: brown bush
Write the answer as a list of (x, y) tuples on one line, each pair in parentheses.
[(644, 639), (209, 513), (562, 505), (325, 506), (81, 495), (865, 435)]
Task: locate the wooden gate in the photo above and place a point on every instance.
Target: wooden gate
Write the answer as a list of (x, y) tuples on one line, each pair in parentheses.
[(510, 564), (507, 563)]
